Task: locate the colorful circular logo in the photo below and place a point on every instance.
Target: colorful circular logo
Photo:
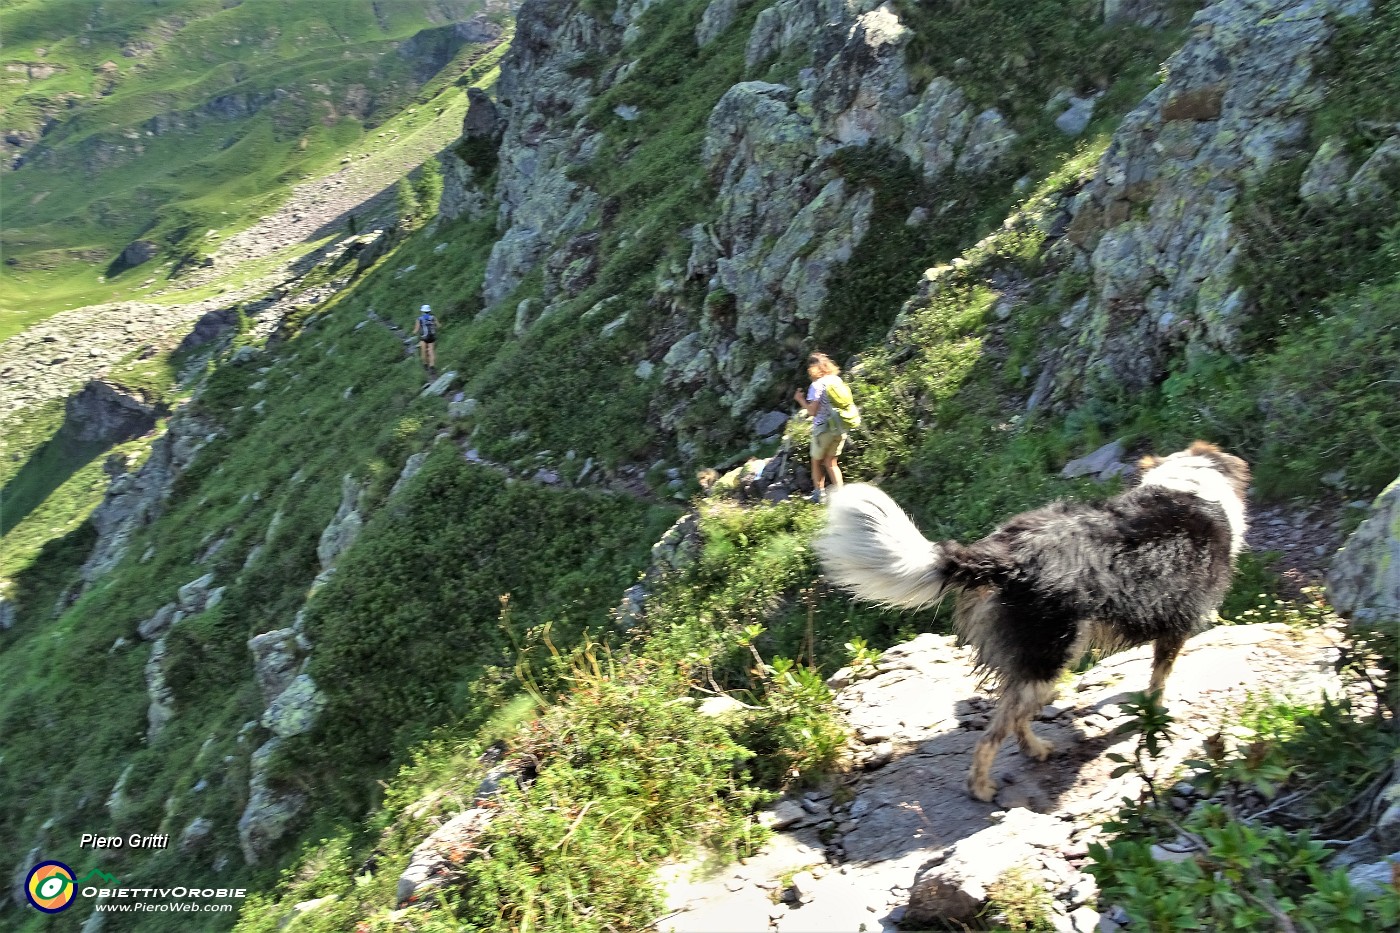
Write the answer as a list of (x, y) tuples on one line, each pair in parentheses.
[(50, 887)]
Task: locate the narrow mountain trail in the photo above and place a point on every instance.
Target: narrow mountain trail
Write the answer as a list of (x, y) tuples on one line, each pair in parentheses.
[(901, 841)]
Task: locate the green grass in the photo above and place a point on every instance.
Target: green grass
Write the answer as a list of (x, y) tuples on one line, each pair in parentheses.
[(423, 660), (307, 63)]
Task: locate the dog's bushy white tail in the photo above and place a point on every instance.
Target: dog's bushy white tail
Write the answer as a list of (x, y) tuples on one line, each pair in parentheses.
[(869, 546)]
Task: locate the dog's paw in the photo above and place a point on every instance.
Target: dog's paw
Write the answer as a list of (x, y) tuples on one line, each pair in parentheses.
[(981, 788), (1037, 748)]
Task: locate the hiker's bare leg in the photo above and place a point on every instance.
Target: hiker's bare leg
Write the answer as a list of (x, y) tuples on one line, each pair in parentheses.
[(818, 477), (835, 472)]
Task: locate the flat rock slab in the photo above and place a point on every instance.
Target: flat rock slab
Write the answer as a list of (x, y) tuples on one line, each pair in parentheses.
[(922, 699)]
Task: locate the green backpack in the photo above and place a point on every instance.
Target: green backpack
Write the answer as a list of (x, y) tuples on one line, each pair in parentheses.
[(843, 406)]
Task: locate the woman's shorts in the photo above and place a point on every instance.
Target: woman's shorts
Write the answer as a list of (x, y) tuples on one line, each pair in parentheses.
[(827, 444)]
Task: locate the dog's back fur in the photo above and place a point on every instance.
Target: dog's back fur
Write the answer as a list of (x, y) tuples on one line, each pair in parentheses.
[(1149, 565)]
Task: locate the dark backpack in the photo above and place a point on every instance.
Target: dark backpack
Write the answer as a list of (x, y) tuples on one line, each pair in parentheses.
[(427, 326)]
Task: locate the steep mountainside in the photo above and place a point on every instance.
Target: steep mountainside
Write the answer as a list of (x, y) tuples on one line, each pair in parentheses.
[(483, 651)]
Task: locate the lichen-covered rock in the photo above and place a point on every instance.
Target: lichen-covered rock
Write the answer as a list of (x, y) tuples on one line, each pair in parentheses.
[(194, 596), (162, 698), (863, 91), (1374, 180), (461, 195), (195, 835), (718, 17), (159, 623), (953, 890), (271, 809), (1324, 182), (1364, 581), (296, 709), (1156, 222), (791, 25), (213, 325)]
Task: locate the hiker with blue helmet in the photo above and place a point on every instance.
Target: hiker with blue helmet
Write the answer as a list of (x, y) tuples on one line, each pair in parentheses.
[(828, 400), (426, 330)]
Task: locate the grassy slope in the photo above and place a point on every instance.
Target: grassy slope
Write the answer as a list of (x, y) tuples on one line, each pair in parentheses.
[(217, 175), (940, 432)]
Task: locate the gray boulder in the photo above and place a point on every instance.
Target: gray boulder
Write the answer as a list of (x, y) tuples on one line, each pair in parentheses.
[(438, 860), (162, 698), (107, 413), (344, 527), (271, 809), (483, 120), (212, 326), (1156, 225), (159, 623), (133, 501), (1373, 180), (1364, 580), (953, 890), (718, 17), (136, 253), (277, 656), (1097, 463), (1077, 115), (196, 835), (8, 613), (193, 596), (1324, 182)]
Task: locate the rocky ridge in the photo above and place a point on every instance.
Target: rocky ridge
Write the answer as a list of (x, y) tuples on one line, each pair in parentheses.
[(1155, 226)]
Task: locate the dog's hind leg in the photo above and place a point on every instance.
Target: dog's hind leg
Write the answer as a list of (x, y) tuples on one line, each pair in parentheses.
[(1164, 652), (1019, 702)]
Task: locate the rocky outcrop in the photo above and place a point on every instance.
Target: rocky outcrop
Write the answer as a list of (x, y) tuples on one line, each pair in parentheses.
[(908, 845), (676, 550), (212, 326), (134, 254), (542, 97), (191, 599), (473, 157), (134, 500), (277, 659), (272, 808), (1363, 583), (786, 219), (162, 698), (107, 413), (1155, 226), (343, 529), (295, 710)]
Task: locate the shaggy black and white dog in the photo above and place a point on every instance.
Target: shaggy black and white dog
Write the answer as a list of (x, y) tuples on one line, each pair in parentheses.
[(1149, 565)]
